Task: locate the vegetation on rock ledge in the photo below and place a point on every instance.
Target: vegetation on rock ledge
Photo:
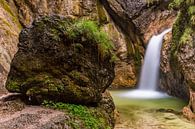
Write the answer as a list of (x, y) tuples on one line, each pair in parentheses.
[(91, 121), (90, 30)]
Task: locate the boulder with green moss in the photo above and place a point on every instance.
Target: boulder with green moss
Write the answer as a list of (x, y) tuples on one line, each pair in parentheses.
[(63, 60)]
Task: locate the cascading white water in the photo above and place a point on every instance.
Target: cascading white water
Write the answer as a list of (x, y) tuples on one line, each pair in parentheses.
[(150, 71)]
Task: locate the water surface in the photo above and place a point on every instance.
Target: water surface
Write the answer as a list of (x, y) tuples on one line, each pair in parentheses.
[(161, 113)]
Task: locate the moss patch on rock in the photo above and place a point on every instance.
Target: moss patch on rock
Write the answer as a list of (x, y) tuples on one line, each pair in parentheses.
[(91, 118)]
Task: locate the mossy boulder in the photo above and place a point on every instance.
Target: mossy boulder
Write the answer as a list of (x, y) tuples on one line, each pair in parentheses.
[(63, 60)]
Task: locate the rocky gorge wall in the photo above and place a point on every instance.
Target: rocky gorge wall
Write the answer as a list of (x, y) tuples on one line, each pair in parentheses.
[(138, 21), (179, 74)]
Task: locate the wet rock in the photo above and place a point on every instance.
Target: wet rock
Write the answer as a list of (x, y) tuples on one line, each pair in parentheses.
[(168, 81), (58, 60), (16, 114), (181, 56)]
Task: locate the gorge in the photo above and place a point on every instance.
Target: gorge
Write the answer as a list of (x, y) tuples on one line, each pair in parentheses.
[(63, 55)]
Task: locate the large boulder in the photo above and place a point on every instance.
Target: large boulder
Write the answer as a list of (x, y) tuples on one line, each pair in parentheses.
[(62, 59)]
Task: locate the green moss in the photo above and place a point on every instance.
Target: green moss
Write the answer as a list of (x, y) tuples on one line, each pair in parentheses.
[(55, 34), (191, 10), (178, 28), (33, 91), (79, 77), (75, 90), (80, 30), (91, 121), (176, 4), (5, 22), (114, 58), (182, 28), (7, 8), (192, 20), (90, 31), (13, 86), (186, 37), (151, 2), (73, 124), (42, 84), (101, 13)]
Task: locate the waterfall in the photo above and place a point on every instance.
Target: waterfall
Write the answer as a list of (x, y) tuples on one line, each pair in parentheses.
[(150, 69), (147, 88)]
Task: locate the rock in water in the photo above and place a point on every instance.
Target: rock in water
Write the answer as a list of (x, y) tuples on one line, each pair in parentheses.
[(62, 59)]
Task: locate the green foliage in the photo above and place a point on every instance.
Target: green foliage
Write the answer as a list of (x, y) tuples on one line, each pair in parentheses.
[(89, 30), (114, 58), (191, 10), (186, 37), (82, 112), (178, 29), (7, 8), (78, 31), (13, 86), (176, 4)]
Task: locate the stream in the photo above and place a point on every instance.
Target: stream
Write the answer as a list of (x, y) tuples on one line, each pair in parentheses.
[(164, 113)]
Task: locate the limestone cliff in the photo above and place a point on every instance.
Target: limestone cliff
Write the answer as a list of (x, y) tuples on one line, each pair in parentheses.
[(9, 31), (180, 69)]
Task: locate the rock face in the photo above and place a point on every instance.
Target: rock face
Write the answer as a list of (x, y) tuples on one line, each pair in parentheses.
[(62, 59), (181, 54), (168, 81), (28, 10), (9, 31)]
